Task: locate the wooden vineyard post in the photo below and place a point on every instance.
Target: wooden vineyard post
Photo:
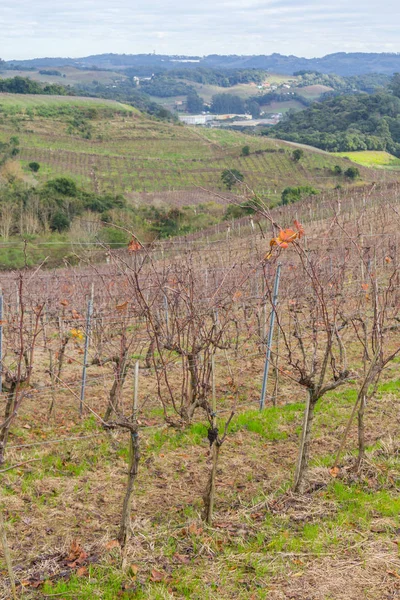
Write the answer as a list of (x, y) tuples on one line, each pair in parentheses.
[(134, 457), (270, 336), (85, 356)]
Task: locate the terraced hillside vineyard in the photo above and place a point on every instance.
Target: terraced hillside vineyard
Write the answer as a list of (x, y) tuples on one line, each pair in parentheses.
[(112, 148)]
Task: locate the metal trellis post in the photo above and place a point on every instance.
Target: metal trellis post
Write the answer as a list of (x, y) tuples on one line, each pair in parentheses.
[(87, 342), (270, 336)]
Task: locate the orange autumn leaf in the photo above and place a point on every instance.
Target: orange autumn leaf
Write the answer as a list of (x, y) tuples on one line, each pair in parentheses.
[(194, 529), (334, 472), (134, 245), (157, 576), (123, 306), (300, 229), (75, 314), (112, 544), (133, 570), (365, 286), (32, 582), (393, 574), (76, 556), (388, 259), (285, 237)]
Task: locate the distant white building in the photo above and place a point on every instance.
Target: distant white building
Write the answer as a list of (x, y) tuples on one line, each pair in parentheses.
[(196, 119)]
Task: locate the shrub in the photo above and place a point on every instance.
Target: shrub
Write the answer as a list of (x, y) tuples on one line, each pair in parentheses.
[(63, 186), (231, 177), (59, 222), (352, 173), (34, 166), (294, 194), (298, 154), (235, 212)]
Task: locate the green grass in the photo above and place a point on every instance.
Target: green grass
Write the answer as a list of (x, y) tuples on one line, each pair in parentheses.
[(107, 585), (22, 102), (282, 107), (73, 76), (313, 92), (247, 561), (371, 158)]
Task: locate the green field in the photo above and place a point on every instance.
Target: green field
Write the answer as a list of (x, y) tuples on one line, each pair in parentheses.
[(20, 103), (313, 92), (73, 76), (282, 107), (116, 149), (372, 158)]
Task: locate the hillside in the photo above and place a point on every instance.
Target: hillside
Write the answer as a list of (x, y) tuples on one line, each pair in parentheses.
[(111, 148), (65, 75), (78, 166), (341, 63)]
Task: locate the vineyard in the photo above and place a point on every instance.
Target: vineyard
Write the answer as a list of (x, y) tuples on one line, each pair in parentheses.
[(111, 148), (209, 417)]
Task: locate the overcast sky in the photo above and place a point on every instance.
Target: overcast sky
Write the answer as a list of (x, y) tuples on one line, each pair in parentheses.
[(37, 28)]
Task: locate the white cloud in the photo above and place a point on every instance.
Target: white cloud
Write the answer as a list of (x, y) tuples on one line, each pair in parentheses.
[(301, 27)]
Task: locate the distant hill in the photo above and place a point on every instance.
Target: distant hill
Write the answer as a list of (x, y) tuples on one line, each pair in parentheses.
[(341, 63)]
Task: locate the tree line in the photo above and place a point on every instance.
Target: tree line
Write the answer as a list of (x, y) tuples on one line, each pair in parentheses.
[(24, 85), (347, 123)]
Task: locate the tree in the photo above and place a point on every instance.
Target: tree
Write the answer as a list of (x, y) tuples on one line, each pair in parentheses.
[(337, 169), (231, 177), (227, 103), (9, 150), (194, 104), (352, 173), (59, 222), (245, 150), (298, 154), (253, 108), (63, 186), (395, 85), (34, 166)]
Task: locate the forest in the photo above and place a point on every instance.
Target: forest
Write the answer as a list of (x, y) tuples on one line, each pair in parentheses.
[(345, 123)]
